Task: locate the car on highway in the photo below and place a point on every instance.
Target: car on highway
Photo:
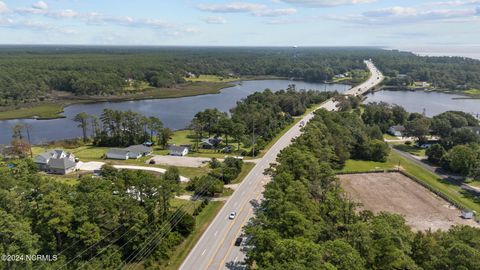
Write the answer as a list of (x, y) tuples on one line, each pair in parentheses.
[(232, 215), (239, 241)]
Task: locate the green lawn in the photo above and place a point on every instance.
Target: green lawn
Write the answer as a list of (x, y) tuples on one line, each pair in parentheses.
[(474, 92), (411, 149), (212, 78), (247, 167), (84, 153), (41, 111), (389, 137), (365, 166)]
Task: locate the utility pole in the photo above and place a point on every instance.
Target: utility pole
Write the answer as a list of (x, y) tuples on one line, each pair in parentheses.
[(253, 137)]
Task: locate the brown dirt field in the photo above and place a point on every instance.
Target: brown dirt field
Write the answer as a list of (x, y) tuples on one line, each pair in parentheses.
[(396, 193)]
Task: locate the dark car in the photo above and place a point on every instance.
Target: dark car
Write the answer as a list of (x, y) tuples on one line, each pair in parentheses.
[(239, 241)]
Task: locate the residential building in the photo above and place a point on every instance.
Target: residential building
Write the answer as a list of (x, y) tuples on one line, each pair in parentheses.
[(131, 152), (211, 143), (180, 151), (56, 162), (396, 131), (476, 130)]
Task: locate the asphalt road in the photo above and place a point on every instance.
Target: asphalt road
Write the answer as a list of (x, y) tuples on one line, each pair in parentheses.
[(216, 249)]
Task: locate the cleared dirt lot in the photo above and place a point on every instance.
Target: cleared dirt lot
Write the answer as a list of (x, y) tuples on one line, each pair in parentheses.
[(396, 193)]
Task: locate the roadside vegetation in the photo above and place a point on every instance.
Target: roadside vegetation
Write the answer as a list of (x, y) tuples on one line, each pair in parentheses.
[(305, 210)]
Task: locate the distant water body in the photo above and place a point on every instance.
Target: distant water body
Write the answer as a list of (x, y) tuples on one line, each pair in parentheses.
[(470, 51), (176, 113)]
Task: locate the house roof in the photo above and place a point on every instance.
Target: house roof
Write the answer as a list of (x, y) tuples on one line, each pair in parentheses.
[(47, 155), (398, 128), (139, 149), (474, 129), (118, 151), (61, 163), (177, 149)]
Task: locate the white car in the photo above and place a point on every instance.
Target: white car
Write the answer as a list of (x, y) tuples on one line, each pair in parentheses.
[(232, 215)]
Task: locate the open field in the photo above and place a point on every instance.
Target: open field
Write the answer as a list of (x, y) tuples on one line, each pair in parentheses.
[(40, 111), (449, 188), (396, 193)]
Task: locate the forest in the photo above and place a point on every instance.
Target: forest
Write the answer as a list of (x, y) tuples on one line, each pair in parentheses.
[(306, 222), (451, 137), (31, 74)]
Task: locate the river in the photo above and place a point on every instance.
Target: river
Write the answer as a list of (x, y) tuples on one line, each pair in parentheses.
[(175, 113), (432, 102)]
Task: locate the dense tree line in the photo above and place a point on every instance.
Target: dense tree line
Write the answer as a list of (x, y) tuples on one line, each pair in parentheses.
[(305, 221), (454, 73), (32, 73), (455, 145), (222, 173), (122, 128), (100, 223), (458, 149), (257, 119)]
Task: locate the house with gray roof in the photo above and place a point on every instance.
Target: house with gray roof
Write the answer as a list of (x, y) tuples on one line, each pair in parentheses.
[(131, 152), (180, 151), (56, 162), (140, 149)]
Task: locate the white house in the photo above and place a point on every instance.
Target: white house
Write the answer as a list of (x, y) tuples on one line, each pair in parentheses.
[(56, 162), (180, 151), (422, 84), (396, 131)]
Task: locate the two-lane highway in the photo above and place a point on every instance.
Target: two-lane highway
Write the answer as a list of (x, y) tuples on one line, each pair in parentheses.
[(216, 249)]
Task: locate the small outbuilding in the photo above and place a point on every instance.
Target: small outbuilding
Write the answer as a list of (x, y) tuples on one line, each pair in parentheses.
[(467, 214), (179, 151)]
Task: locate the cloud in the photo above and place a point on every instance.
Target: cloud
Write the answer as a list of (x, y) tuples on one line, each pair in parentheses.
[(392, 11), (3, 7), (250, 8), (215, 20), (326, 3), (403, 15), (66, 13), (36, 26), (40, 5), (456, 3)]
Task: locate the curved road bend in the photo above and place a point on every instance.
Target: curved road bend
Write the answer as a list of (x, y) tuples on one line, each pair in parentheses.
[(215, 249)]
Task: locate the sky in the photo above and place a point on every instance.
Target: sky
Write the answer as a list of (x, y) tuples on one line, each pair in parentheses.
[(384, 23)]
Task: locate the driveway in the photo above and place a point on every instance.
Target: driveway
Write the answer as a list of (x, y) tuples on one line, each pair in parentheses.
[(95, 166), (193, 162)]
